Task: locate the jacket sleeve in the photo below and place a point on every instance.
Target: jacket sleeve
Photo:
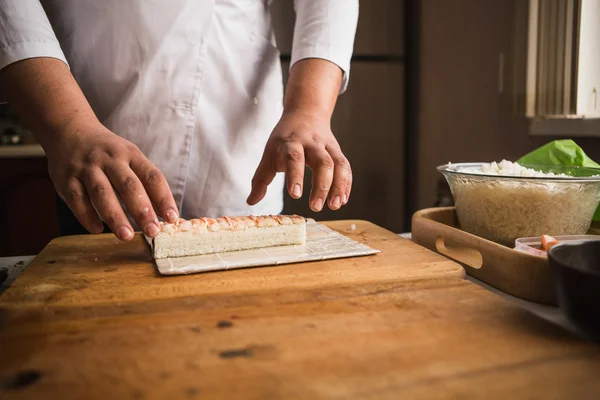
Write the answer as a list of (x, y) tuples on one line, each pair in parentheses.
[(25, 32), (326, 29)]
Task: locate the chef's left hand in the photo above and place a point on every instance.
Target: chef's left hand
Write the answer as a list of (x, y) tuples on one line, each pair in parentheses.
[(300, 139), (303, 137)]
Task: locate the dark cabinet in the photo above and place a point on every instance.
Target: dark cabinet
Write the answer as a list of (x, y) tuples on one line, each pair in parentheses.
[(28, 219)]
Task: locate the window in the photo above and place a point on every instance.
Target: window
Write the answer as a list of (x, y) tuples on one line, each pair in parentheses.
[(563, 67)]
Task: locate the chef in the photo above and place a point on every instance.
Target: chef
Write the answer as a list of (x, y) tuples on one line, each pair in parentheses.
[(150, 109)]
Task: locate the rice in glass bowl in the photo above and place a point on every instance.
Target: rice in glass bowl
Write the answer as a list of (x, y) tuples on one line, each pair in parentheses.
[(505, 201)]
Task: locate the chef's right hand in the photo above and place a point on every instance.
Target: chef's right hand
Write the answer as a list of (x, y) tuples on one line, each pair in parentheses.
[(91, 166)]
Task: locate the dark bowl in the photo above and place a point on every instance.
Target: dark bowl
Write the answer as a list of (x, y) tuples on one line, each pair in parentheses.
[(576, 268)]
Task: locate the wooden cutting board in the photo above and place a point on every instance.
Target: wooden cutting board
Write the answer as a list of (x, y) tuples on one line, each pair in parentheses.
[(97, 269), (91, 318)]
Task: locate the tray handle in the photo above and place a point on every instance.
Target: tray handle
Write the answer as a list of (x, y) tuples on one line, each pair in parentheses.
[(461, 254)]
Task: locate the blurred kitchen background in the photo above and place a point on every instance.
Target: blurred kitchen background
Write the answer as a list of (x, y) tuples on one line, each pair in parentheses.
[(432, 81)]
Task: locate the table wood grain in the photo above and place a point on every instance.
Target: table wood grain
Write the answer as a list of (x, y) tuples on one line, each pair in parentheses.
[(91, 318)]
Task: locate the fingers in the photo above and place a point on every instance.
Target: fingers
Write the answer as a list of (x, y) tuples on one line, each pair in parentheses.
[(332, 175), (104, 171), (323, 170), (290, 159), (342, 179), (132, 192), (78, 201), (156, 187), (264, 175), (105, 201), (349, 186)]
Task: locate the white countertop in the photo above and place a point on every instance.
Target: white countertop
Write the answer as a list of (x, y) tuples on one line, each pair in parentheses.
[(22, 151)]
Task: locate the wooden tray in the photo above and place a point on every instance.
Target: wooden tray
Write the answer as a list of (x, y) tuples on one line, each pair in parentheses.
[(519, 274)]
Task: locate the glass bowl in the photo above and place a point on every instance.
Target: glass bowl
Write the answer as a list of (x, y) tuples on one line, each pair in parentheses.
[(504, 208)]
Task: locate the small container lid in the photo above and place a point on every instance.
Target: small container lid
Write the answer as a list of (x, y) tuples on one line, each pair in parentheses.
[(533, 245)]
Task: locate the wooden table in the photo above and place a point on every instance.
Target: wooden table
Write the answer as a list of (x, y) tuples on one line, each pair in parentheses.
[(90, 318)]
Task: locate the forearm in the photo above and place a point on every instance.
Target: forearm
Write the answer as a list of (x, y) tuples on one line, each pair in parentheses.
[(313, 87), (45, 95)]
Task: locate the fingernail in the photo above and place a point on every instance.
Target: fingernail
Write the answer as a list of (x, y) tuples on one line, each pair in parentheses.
[(318, 204), (125, 233), (297, 190), (336, 202), (152, 230), (172, 215), (345, 198)]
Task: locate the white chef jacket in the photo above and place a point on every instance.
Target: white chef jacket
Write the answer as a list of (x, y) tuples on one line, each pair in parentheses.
[(196, 84)]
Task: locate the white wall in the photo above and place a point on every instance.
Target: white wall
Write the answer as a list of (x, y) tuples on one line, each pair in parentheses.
[(589, 59)]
